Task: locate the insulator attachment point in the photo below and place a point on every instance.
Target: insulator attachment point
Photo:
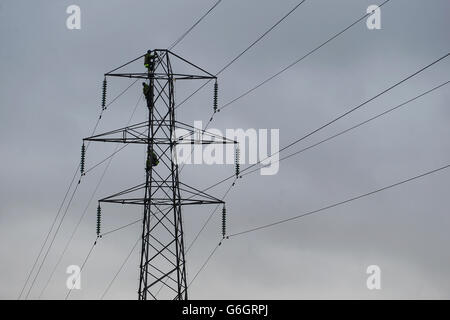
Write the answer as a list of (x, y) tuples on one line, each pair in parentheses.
[(216, 91), (104, 94), (224, 221), (83, 156), (237, 162), (99, 219)]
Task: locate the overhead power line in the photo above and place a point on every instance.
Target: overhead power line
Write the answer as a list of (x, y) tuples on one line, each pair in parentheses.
[(356, 126), (296, 141), (358, 106), (299, 59), (83, 265), (326, 124), (55, 219), (86, 207), (282, 70), (120, 269), (341, 202), (64, 215), (243, 52), (52, 241), (311, 146), (278, 222), (209, 218), (176, 42), (236, 58), (322, 141), (48, 234), (205, 263)]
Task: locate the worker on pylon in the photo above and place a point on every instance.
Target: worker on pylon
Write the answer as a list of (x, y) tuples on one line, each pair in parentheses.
[(145, 89), (149, 60), (154, 161)]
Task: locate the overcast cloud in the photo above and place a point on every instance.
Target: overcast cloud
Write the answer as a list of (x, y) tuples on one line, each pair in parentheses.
[(50, 95)]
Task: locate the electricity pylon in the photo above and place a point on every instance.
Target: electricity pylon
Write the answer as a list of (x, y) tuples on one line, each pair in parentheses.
[(162, 195)]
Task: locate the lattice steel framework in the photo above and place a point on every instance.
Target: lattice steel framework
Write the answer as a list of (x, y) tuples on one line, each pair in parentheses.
[(162, 195)]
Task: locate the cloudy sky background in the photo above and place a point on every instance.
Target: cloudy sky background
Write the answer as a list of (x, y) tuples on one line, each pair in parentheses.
[(50, 96)]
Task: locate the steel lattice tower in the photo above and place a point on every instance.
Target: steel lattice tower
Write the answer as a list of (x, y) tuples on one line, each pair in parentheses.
[(162, 195)]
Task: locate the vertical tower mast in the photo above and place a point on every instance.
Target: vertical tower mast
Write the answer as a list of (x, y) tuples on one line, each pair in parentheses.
[(162, 260)]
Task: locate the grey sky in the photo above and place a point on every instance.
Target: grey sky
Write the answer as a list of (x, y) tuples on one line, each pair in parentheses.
[(50, 96)]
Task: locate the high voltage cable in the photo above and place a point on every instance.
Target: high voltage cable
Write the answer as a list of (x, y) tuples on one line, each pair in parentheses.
[(64, 200), (243, 52), (335, 119), (48, 233), (357, 107), (260, 37), (87, 207), (317, 211), (205, 263), (120, 228), (355, 126), (57, 215), (235, 59), (329, 138), (265, 226), (209, 218), (123, 92), (193, 26), (341, 202), (107, 158), (52, 241), (299, 59), (120, 269), (60, 224), (201, 230), (343, 132), (67, 245), (82, 266), (284, 69)]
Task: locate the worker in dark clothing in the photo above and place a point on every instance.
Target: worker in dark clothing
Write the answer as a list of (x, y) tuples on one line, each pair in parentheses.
[(145, 89), (149, 60), (154, 161)]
